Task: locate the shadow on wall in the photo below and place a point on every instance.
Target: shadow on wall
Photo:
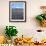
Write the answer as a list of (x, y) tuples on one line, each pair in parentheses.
[(34, 22)]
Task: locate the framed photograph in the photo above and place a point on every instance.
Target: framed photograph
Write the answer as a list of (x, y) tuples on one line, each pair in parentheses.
[(17, 11)]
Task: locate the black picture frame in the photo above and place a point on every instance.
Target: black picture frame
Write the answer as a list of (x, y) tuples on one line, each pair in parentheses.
[(19, 18)]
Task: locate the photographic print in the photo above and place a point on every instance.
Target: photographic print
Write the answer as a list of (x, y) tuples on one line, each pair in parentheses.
[(17, 11)]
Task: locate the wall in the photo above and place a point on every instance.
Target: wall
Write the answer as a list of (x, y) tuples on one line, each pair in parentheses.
[(28, 28)]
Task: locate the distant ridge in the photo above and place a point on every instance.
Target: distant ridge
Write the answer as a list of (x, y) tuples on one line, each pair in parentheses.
[(17, 13)]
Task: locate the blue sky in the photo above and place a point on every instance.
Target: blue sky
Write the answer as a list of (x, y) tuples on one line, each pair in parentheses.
[(17, 5)]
